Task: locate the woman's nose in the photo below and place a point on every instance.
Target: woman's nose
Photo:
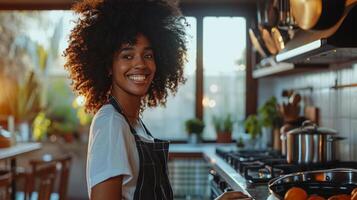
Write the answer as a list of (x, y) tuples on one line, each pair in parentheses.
[(139, 62)]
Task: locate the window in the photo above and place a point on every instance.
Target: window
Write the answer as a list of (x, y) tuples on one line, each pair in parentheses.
[(224, 65), (168, 122), (224, 44)]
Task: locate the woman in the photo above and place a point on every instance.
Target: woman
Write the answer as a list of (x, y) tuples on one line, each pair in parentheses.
[(123, 56)]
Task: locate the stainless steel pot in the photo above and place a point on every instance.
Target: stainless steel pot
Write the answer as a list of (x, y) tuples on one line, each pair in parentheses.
[(311, 144)]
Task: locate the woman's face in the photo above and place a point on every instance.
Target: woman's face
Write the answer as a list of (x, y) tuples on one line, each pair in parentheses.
[(133, 68)]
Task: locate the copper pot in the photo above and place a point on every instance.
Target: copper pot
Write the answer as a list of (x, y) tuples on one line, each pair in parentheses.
[(258, 42), (317, 14)]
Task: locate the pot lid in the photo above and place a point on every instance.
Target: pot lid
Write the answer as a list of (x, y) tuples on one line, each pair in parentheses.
[(310, 128)]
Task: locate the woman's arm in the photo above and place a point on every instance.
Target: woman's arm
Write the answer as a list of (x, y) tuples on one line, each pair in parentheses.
[(109, 189)]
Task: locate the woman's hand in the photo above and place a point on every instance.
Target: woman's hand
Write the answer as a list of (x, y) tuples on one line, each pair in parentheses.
[(233, 195)]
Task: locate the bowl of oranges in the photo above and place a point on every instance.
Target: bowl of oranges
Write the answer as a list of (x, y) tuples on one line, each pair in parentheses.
[(331, 184)]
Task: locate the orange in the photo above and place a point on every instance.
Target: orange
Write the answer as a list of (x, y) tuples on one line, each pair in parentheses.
[(340, 197), (295, 193), (354, 196), (354, 191), (315, 197)]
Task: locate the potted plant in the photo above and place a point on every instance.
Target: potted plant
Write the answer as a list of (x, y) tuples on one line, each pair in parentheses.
[(64, 122), (240, 142), (224, 128), (270, 120), (84, 118), (253, 128), (40, 126), (194, 128), (65, 130), (22, 101)]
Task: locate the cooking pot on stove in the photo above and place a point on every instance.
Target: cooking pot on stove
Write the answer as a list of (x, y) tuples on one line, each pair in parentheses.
[(311, 144)]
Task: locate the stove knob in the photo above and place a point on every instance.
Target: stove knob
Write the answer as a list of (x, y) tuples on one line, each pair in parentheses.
[(228, 189), (222, 185), (215, 176)]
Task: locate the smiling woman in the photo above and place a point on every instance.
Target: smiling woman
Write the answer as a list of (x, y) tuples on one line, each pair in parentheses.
[(122, 58)]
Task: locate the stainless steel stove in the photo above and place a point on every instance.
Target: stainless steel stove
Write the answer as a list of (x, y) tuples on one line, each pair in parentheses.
[(258, 167)]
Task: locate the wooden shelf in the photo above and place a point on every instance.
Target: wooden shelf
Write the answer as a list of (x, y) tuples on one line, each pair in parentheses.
[(272, 70)]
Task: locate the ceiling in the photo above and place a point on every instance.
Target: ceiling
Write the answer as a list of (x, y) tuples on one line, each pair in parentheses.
[(219, 1), (58, 4), (182, 1)]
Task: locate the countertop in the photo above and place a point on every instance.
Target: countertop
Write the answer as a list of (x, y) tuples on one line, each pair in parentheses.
[(233, 178), (18, 149)]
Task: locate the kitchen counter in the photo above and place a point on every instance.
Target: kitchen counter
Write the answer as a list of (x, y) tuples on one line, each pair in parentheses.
[(231, 176)]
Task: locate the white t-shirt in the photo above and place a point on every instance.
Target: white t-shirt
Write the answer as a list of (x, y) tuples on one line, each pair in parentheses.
[(112, 150)]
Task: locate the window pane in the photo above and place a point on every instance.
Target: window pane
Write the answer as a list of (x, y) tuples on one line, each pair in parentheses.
[(168, 122), (224, 40)]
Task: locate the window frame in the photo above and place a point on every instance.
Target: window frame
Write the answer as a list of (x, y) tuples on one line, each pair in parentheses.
[(224, 10)]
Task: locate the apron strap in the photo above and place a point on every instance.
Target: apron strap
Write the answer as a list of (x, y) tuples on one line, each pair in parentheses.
[(115, 104), (147, 130)]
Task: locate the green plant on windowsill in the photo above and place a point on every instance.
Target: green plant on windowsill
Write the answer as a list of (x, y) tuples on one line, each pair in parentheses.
[(194, 126), (252, 126), (64, 129), (223, 127), (269, 114), (240, 142), (40, 126), (223, 124), (271, 121), (64, 121)]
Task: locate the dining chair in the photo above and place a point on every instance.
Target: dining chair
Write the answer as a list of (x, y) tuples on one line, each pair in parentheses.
[(44, 175), (64, 169), (41, 179), (5, 185)]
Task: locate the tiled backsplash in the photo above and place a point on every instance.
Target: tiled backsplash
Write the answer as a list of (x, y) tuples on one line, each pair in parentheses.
[(338, 107)]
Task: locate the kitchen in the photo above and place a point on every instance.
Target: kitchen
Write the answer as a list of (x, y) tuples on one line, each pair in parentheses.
[(309, 69)]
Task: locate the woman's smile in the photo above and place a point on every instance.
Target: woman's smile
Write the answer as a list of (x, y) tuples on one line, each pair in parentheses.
[(139, 78)]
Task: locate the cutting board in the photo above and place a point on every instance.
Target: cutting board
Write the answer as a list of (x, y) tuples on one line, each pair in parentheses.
[(312, 113)]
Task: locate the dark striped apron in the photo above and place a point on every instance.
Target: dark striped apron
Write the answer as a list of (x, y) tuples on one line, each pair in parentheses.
[(153, 181)]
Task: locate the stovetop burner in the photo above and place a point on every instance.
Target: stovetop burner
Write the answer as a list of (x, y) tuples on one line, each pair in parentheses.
[(260, 166)]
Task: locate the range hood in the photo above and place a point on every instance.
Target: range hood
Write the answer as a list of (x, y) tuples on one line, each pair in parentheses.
[(337, 44)]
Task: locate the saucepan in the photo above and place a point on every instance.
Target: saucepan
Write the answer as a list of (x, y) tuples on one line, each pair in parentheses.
[(311, 144)]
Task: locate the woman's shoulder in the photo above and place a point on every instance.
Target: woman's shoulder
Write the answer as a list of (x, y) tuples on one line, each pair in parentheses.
[(107, 117), (107, 123), (107, 112)]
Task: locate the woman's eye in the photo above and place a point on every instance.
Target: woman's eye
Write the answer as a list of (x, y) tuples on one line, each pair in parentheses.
[(149, 56), (128, 57)]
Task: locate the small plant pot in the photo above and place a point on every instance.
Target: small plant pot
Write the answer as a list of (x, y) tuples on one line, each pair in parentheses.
[(224, 137), (193, 138), (69, 138)]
